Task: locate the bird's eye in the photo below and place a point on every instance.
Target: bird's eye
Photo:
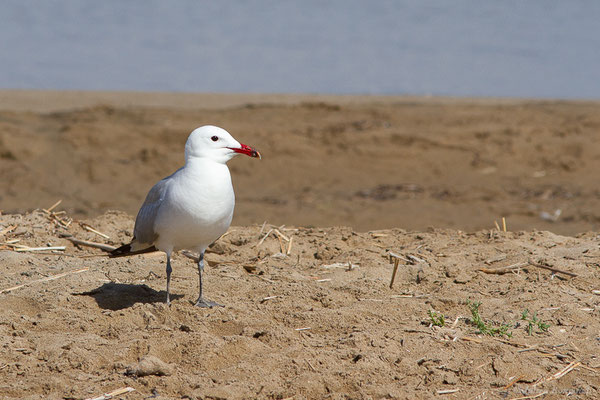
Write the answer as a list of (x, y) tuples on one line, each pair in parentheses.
[(214, 138)]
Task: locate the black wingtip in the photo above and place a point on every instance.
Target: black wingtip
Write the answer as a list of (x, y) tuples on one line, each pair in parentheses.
[(125, 251)]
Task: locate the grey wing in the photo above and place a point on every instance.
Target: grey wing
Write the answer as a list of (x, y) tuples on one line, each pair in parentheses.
[(144, 222)]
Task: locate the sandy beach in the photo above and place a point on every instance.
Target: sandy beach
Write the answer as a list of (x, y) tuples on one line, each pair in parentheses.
[(365, 162), (345, 182)]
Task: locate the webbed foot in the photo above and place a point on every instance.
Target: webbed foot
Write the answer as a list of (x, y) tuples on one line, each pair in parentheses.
[(204, 303)]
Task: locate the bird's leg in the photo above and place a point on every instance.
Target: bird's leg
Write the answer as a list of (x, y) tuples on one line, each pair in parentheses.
[(169, 270), (201, 301)]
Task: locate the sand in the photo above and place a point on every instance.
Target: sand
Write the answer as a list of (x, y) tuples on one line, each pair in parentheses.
[(353, 179), (369, 163)]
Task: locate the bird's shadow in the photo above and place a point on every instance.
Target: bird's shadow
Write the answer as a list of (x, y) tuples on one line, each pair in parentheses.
[(117, 296)]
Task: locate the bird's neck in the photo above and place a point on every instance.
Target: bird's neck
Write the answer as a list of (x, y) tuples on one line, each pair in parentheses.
[(205, 166), (204, 162)]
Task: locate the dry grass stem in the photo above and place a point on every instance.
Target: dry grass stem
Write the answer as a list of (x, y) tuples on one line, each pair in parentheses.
[(533, 396), (89, 228), (49, 278), (470, 339), (512, 382), (495, 259), (264, 299), (398, 256), (527, 349), (262, 228), (503, 270), (101, 246), (281, 245), (113, 394), (53, 206), (414, 259), (376, 235), (303, 329), (54, 216), (511, 343), (563, 371), (396, 262), (347, 266), (289, 248), (555, 270), (7, 229), (455, 322), (20, 248), (447, 391), (503, 224), (497, 226), (281, 235), (264, 237)]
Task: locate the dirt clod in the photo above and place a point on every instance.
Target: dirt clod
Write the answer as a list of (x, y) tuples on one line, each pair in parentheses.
[(150, 365)]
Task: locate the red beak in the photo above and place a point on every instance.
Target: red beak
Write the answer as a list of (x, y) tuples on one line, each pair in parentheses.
[(247, 150)]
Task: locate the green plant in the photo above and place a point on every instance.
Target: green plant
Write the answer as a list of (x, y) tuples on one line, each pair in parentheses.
[(533, 321), (486, 328), (436, 319)]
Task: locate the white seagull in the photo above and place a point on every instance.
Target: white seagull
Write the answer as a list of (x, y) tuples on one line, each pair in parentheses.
[(193, 207)]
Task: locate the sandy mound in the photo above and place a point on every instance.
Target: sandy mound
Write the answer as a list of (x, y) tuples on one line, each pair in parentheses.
[(319, 322)]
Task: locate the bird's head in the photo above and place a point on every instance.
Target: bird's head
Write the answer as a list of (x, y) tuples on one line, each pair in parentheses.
[(215, 144)]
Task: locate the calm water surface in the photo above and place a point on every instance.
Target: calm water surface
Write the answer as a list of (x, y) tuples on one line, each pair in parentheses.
[(535, 48)]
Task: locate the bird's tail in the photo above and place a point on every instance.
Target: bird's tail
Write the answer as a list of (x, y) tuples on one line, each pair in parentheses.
[(125, 251)]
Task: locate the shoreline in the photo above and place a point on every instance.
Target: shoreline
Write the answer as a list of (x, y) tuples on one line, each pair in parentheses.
[(61, 100)]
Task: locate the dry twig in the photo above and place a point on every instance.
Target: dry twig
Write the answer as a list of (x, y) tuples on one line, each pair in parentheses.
[(515, 380), (49, 278), (111, 395), (89, 228), (563, 371), (555, 270), (264, 237), (264, 299), (396, 262), (347, 266), (53, 206), (281, 235), (447, 391), (7, 229), (80, 242), (533, 396), (20, 248), (54, 216), (503, 270), (490, 261)]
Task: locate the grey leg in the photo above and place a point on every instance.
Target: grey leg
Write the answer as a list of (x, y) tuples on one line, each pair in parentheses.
[(169, 270), (202, 302)]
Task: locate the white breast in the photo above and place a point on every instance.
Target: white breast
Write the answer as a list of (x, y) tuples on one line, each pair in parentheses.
[(197, 207)]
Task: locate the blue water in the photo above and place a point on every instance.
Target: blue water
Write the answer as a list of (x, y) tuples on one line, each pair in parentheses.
[(527, 48)]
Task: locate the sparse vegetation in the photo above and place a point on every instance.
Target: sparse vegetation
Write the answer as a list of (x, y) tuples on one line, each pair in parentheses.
[(486, 328), (437, 319), (533, 322)]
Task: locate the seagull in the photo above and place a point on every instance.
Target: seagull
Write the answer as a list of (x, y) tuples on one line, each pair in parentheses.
[(193, 207)]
